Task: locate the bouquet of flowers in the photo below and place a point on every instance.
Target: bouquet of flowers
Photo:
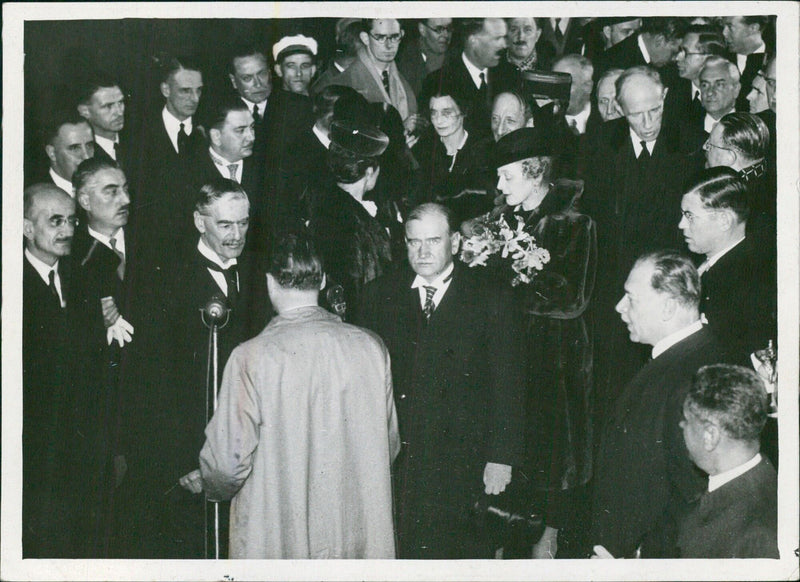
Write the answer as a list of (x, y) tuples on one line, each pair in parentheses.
[(495, 237)]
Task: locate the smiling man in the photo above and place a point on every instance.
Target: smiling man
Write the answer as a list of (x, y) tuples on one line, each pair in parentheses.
[(643, 476)]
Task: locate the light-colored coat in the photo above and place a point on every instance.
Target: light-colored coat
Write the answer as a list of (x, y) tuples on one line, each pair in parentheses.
[(303, 439)]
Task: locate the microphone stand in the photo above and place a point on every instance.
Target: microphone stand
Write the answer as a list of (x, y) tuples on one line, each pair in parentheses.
[(215, 315)]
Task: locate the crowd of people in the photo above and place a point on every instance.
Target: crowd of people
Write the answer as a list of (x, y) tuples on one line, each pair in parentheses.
[(470, 288)]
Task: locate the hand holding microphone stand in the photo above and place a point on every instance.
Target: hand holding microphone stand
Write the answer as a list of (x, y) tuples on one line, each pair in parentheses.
[(215, 315)]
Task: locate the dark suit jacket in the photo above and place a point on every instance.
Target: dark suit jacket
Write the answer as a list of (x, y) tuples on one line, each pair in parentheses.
[(123, 153), (738, 520), (755, 63), (459, 389), (626, 54), (643, 473), (572, 40), (740, 300)]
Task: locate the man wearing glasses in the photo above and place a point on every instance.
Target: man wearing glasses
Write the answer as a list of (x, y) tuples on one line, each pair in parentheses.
[(421, 56), (375, 75)]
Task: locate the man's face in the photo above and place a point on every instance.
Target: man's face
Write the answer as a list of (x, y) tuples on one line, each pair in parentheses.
[(296, 72), (182, 91), (718, 90), (620, 31), (105, 199), (387, 32), (693, 428), (430, 245), (757, 97), (769, 77), (446, 117), (700, 226), (488, 44), (688, 60), (641, 306), (72, 145), (718, 153), (512, 182), (105, 111), (523, 34), (642, 104), (738, 35), (224, 225), (606, 99), (580, 90), (435, 34), (234, 140), (508, 114), (663, 50), (50, 226), (251, 79)]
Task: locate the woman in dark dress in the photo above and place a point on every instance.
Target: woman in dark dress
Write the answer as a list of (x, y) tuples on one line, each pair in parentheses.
[(559, 430)]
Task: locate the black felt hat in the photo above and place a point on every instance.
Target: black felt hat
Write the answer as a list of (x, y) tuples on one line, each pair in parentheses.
[(359, 140), (521, 144), (546, 85)]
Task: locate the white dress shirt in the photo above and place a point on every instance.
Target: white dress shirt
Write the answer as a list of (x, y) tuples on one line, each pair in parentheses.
[(643, 48), (260, 107), (218, 277), (323, 139), (637, 146), (440, 284), (222, 166), (44, 272), (709, 122), (173, 127), (475, 72), (718, 480), (65, 185), (741, 60), (580, 119), (710, 261), (107, 145), (673, 338), (119, 239)]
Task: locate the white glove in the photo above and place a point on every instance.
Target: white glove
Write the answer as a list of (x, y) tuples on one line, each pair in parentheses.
[(121, 331), (496, 477), (600, 553)]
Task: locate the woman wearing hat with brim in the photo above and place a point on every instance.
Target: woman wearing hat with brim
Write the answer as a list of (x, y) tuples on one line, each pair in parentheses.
[(559, 428)]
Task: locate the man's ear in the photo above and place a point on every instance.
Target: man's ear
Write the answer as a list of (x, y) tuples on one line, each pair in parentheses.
[(233, 80), (324, 282), (455, 242), (669, 308), (364, 38), (711, 435), (213, 136), (27, 228), (726, 218), (607, 32), (83, 200), (83, 111), (278, 70), (199, 224), (51, 153), (164, 89)]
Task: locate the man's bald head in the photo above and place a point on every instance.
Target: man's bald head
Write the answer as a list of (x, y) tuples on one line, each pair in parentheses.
[(49, 222), (640, 94)]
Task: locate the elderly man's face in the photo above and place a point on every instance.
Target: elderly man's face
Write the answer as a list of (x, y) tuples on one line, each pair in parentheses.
[(105, 111), (182, 91), (641, 306), (430, 245), (435, 34), (642, 104), (508, 114), (523, 34), (689, 61), (106, 201), (252, 78), (580, 90), (383, 40), (72, 145), (50, 226), (700, 225), (487, 45), (718, 153), (234, 140), (718, 90), (757, 97), (296, 72), (606, 99), (663, 50), (223, 226)]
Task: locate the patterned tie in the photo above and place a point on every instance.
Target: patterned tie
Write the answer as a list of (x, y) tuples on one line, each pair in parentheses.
[(53, 289), (645, 153), (232, 171), (183, 141), (121, 267), (385, 79), (427, 310)]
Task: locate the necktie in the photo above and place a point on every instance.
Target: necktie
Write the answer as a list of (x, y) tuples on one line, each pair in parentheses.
[(385, 79), (573, 127), (116, 152), (121, 267), (183, 141), (231, 280), (53, 289), (232, 171), (428, 308), (484, 90), (645, 154), (256, 116), (557, 31)]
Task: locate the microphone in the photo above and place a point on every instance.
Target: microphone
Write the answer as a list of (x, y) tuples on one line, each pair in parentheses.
[(215, 312)]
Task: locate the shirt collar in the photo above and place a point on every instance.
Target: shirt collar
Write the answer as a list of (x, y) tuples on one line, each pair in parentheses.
[(260, 106), (220, 160), (581, 118), (206, 251), (41, 267), (107, 145), (710, 261), (173, 125), (718, 480), (474, 71), (438, 282), (709, 122), (643, 48), (666, 343), (323, 139), (119, 239), (637, 146), (65, 185)]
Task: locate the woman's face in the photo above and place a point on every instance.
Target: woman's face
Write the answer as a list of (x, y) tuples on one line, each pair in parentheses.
[(446, 117), (514, 184)]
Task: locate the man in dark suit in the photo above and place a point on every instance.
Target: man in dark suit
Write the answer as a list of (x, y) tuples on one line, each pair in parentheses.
[(248, 71), (643, 477), (737, 517), (741, 309), (418, 57), (68, 141), (768, 115), (473, 74), (565, 35), (745, 36), (48, 228), (102, 103), (457, 360), (634, 183)]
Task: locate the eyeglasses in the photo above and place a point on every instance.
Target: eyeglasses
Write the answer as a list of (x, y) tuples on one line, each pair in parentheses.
[(387, 38), (684, 52), (440, 30), (691, 216), (708, 145), (59, 221)]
